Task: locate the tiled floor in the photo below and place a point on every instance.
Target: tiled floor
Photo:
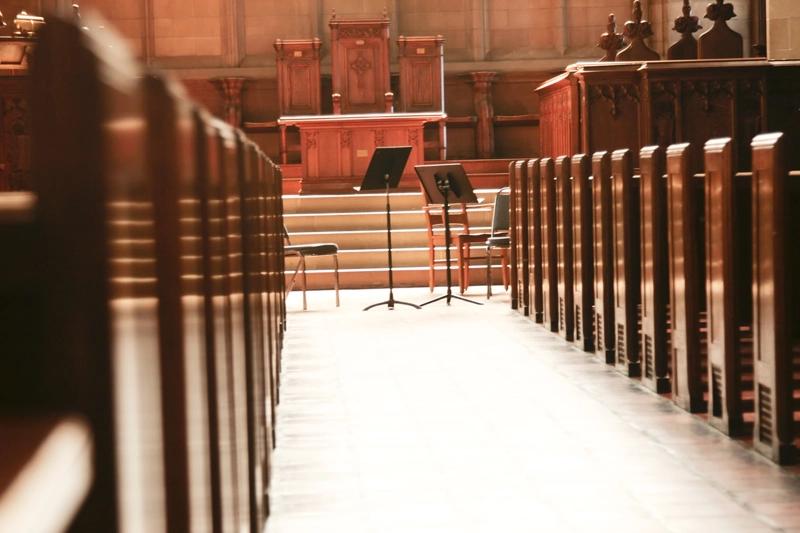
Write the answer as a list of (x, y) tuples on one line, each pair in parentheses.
[(467, 418)]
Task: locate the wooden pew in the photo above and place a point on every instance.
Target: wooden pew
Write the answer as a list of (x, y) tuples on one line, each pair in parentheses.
[(534, 241), (583, 253), (564, 251), (158, 324), (172, 161), (627, 263), (728, 290), (521, 199), (654, 271), (100, 321), (603, 251), (513, 224), (549, 244), (776, 300), (689, 376)]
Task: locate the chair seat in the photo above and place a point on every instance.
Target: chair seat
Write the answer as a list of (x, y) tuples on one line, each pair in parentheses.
[(323, 248), (499, 242)]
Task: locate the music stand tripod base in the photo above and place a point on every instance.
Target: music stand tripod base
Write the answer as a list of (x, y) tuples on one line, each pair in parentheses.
[(444, 183), (384, 171)]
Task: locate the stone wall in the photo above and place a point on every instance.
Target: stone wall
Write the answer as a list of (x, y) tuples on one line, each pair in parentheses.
[(783, 29)]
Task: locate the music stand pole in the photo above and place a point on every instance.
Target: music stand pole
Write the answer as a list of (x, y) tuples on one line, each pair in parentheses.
[(390, 303), (444, 187)]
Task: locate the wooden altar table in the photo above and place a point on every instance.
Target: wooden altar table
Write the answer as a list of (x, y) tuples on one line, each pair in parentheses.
[(335, 150)]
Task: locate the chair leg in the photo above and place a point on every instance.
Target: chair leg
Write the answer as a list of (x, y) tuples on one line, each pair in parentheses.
[(431, 271), (488, 272), (461, 266), (336, 277), (506, 281), (303, 262)]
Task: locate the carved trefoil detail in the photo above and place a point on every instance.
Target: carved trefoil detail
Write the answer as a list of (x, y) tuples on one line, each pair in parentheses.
[(344, 139), (311, 140), (613, 95), (413, 137), (380, 138), (708, 89)]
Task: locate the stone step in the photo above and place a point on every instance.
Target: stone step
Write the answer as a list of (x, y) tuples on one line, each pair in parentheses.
[(401, 277)]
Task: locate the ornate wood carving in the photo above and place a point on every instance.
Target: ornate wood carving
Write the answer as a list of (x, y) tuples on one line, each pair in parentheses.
[(611, 41), (720, 41), (232, 88), (707, 90), (613, 95), (360, 63), (687, 25), (299, 79), (421, 63), (636, 31), (484, 109)]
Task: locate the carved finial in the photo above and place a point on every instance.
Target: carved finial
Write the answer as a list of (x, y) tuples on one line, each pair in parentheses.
[(720, 11), (687, 23), (637, 27), (76, 13), (611, 41), (384, 12), (333, 13), (2, 22), (636, 31)]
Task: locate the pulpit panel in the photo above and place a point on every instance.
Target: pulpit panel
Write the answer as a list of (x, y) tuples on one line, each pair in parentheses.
[(298, 76), (421, 73), (360, 63)]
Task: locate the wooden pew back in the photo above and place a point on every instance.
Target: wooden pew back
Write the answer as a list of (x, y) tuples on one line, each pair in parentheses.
[(603, 248), (583, 253), (687, 279)]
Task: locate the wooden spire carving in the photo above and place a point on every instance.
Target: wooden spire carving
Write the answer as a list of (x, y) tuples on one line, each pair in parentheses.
[(687, 25), (636, 31), (611, 41), (720, 41)]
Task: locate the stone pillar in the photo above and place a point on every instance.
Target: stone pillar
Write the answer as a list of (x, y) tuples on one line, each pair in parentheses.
[(484, 110), (232, 111), (781, 17)]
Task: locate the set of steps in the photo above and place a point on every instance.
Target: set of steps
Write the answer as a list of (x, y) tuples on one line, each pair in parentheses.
[(357, 223)]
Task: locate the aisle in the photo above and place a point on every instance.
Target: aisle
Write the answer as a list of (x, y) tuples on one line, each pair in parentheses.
[(467, 418)]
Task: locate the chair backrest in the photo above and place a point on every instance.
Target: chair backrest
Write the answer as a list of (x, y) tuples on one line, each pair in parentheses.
[(500, 214)]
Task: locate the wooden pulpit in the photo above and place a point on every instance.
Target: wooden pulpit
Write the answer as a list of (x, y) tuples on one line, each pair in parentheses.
[(421, 62), (298, 76), (360, 63)]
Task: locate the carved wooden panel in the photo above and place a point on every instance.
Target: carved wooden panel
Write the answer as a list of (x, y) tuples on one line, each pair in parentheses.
[(655, 270), (776, 192), (728, 286), (421, 63), (558, 117), (626, 242), (687, 280), (521, 198), (336, 149), (563, 190), (299, 77), (583, 256), (549, 251), (534, 240), (602, 233), (360, 63)]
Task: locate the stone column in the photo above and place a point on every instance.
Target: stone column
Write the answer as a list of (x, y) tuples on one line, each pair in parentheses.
[(484, 110), (232, 111)]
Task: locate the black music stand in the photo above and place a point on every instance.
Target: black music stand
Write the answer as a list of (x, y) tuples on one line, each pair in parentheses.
[(443, 184), (384, 172)]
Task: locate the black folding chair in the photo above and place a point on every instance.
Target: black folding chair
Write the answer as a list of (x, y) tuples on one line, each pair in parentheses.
[(301, 251)]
